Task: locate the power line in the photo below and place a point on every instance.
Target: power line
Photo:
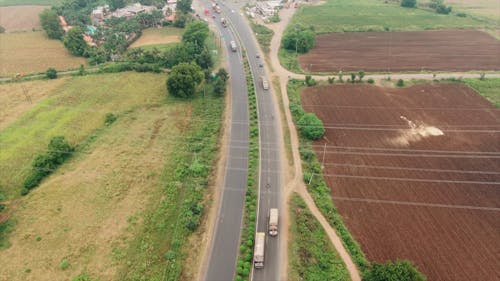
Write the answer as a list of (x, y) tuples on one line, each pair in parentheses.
[(411, 179), (413, 169), (418, 204)]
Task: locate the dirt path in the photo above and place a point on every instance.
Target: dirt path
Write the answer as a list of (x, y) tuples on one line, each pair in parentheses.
[(295, 183)]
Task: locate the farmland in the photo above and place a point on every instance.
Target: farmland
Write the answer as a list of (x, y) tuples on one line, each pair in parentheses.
[(415, 173), (452, 50), (482, 8), (18, 18), (30, 2), (28, 52), (374, 15), (158, 37)]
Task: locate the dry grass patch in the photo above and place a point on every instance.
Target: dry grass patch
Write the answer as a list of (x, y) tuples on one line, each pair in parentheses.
[(75, 110), (18, 18), (18, 98), (88, 211), (158, 36), (33, 52)]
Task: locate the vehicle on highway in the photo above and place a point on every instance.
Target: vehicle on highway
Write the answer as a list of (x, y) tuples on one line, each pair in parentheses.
[(223, 21), (234, 48), (265, 85), (258, 253), (273, 222)]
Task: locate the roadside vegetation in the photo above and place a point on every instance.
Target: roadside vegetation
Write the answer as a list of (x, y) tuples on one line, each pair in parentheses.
[(312, 256), (263, 35), (244, 265), (487, 87), (318, 188)]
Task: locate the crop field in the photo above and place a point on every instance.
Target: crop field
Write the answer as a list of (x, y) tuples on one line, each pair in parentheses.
[(30, 2), (415, 173), (483, 8), (29, 52), (18, 18), (451, 50), (377, 15), (158, 37)]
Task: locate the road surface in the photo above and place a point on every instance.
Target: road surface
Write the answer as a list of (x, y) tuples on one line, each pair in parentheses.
[(225, 244), (270, 173)]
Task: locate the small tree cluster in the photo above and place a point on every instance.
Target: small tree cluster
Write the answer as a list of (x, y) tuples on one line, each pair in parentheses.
[(220, 82), (51, 73), (299, 39), (310, 126), (310, 81), (59, 150), (440, 7), (50, 23), (183, 80), (408, 3)]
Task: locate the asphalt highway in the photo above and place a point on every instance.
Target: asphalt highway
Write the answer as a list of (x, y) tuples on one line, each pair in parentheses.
[(224, 247)]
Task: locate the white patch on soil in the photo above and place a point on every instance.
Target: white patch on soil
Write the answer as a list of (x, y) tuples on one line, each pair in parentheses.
[(415, 133)]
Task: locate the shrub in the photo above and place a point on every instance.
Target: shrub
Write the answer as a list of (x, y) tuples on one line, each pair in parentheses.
[(408, 3), (331, 80), (401, 270), (371, 81), (64, 264), (109, 119), (400, 83), (51, 73), (310, 126), (462, 15), (310, 81)]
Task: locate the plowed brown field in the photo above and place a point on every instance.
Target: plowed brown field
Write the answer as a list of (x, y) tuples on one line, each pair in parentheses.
[(415, 172), (452, 50)]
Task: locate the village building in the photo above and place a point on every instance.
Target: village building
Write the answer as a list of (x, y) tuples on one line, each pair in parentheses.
[(132, 10)]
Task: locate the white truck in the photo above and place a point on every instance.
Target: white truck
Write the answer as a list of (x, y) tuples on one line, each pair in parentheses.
[(258, 253), (273, 222), (265, 83), (233, 46)]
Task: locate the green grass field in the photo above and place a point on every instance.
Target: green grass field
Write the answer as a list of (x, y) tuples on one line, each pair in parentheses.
[(312, 256), (74, 110), (375, 15), (30, 2), (488, 88), (160, 38)]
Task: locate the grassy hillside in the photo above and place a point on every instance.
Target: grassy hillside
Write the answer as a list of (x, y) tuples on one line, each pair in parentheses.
[(488, 88), (375, 15), (312, 256), (75, 109), (125, 205)]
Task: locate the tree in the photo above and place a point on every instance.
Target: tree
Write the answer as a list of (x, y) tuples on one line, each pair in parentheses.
[(196, 32), (116, 4), (299, 39), (180, 19), (310, 126), (2, 29), (51, 73), (204, 60), (219, 86), (408, 3), (73, 41), (183, 6), (50, 22), (361, 74), (353, 77), (400, 83), (222, 73), (183, 80), (401, 270)]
